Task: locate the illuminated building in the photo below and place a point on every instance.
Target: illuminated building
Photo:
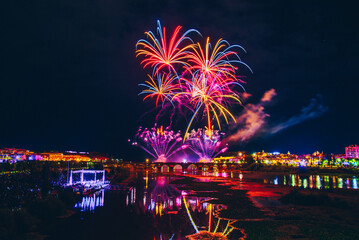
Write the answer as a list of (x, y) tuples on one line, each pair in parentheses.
[(14, 154), (4, 157), (352, 151), (227, 159), (34, 157), (75, 157), (52, 156), (99, 159), (65, 157)]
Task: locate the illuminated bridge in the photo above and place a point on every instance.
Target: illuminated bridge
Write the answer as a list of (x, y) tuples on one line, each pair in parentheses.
[(180, 167)]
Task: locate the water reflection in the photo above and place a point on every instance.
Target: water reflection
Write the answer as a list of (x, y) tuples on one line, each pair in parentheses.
[(159, 197), (294, 180), (163, 206), (92, 201), (175, 213), (313, 181)]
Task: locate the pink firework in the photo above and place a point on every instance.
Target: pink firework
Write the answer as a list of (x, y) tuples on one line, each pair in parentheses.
[(203, 145), (159, 143)]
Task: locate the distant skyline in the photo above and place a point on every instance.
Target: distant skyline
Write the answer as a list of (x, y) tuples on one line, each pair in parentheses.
[(70, 77)]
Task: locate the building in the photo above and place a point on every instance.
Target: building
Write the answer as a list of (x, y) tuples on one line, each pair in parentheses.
[(34, 157), (14, 154), (52, 156), (99, 159), (76, 157), (352, 151)]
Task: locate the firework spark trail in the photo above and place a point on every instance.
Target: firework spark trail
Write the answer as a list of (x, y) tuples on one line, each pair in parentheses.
[(159, 143), (204, 146)]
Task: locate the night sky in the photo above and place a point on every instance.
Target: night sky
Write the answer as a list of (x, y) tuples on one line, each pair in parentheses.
[(69, 75)]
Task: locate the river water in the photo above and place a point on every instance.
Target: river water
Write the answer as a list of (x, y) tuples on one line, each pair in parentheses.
[(153, 208), (295, 180)]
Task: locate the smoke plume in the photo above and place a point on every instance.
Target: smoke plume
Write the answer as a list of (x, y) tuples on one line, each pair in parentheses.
[(253, 119)]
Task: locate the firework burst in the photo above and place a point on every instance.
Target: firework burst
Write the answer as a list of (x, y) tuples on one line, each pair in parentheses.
[(202, 93), (162, 89), (159, 143), (217, 62), (160, 53), (203, 145)]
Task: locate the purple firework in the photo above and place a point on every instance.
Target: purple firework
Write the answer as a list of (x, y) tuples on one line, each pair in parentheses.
[(206, 147), (159, 143)]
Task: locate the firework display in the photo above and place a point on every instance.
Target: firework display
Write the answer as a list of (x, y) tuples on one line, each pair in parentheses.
[(203, 79), (206, 146), (159, 143)]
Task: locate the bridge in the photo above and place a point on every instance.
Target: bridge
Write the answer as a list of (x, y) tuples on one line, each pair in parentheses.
[(180, 167)]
